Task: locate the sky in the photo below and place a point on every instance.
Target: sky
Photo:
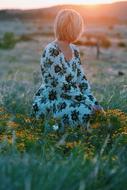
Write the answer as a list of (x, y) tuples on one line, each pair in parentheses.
[(33, 4)]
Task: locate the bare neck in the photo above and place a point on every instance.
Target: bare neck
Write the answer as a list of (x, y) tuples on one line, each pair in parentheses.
[(65, 43)]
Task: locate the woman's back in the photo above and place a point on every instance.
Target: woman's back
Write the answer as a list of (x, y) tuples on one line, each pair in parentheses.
[(65, 92)]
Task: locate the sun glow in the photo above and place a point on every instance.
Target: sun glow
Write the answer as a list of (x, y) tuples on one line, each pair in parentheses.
[(93, 2), (23, 4)]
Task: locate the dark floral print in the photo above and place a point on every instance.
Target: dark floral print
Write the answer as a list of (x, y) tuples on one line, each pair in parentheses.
[(91, 97), (66, 119), (86, 118), (78, 72), (66, 87), (96, 103), (38, 93), (65, 90), (75, 115), (80, 97), (46, 79), (74, 85), (54, 82), (73, 104), (63, 68), (52, 95), (44, 53), (57, 68), (76, 53), (43, 100), (69, 77), (48, 62), (61, 106), (73, 66), (83, 86), (84, 78), (42, 70), (54, 52), (65, 96)]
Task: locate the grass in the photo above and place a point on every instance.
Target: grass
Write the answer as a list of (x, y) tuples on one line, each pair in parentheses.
[(33, 158), (30, 171), (8, 41)]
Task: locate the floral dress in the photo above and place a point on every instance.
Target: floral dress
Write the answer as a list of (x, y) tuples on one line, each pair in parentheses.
[(65, 91)]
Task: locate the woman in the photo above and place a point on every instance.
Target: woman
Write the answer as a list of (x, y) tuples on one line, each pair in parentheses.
[(65, 92)]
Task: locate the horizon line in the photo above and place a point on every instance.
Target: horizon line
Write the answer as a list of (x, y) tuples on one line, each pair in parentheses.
[(75, 4)]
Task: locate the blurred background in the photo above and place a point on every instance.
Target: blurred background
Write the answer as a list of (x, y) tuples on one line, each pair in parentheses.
[(26, 27)]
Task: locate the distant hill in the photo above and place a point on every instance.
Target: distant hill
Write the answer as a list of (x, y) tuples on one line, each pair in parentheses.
[(104, 13)]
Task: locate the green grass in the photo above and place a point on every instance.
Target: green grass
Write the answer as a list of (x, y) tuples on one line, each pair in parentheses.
[(53, 171), (31, 158), (8, 41)]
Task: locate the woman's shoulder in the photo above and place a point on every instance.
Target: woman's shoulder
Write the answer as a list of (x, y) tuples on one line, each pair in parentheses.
[(50, 45), (51, 49)]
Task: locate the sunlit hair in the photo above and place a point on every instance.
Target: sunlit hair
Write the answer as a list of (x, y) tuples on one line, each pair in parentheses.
[(68, 25)]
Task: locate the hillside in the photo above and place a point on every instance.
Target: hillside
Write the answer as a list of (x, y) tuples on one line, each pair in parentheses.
[(115, 12)]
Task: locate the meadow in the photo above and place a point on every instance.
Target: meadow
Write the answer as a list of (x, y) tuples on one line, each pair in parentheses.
[(33, 156)]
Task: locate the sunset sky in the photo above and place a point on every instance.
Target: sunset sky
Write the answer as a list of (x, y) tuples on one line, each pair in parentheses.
[(30, 4)]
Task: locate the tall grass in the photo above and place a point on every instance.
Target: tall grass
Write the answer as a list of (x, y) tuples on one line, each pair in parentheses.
[(53, 171), (76, 159)]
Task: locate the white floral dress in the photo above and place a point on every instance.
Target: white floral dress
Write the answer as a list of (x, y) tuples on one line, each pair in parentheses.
[(65, 91)]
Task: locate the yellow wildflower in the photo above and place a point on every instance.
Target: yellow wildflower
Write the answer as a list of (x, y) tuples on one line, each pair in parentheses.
[(4, 116), (2, 109), (12, 124), (27, 120), (21, 146), (95, 125), (71, 144)]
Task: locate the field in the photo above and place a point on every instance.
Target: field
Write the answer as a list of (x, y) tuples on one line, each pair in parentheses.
[(32, 154)]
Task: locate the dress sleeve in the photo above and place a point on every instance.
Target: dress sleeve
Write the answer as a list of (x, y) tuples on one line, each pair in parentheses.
[(83, 83), (46, 64), (50, 66)]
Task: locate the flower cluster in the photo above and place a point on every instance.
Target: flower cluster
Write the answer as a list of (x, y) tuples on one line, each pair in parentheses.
[(29, 131)]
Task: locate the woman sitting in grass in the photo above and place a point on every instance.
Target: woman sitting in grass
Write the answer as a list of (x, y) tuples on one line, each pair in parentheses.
[(65, 91)]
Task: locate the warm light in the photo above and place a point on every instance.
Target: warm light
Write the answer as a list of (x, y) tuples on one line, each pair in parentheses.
[(92, 2), (27, 4)]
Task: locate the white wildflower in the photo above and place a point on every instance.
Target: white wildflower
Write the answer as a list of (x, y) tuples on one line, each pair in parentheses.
[(55, 127)]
